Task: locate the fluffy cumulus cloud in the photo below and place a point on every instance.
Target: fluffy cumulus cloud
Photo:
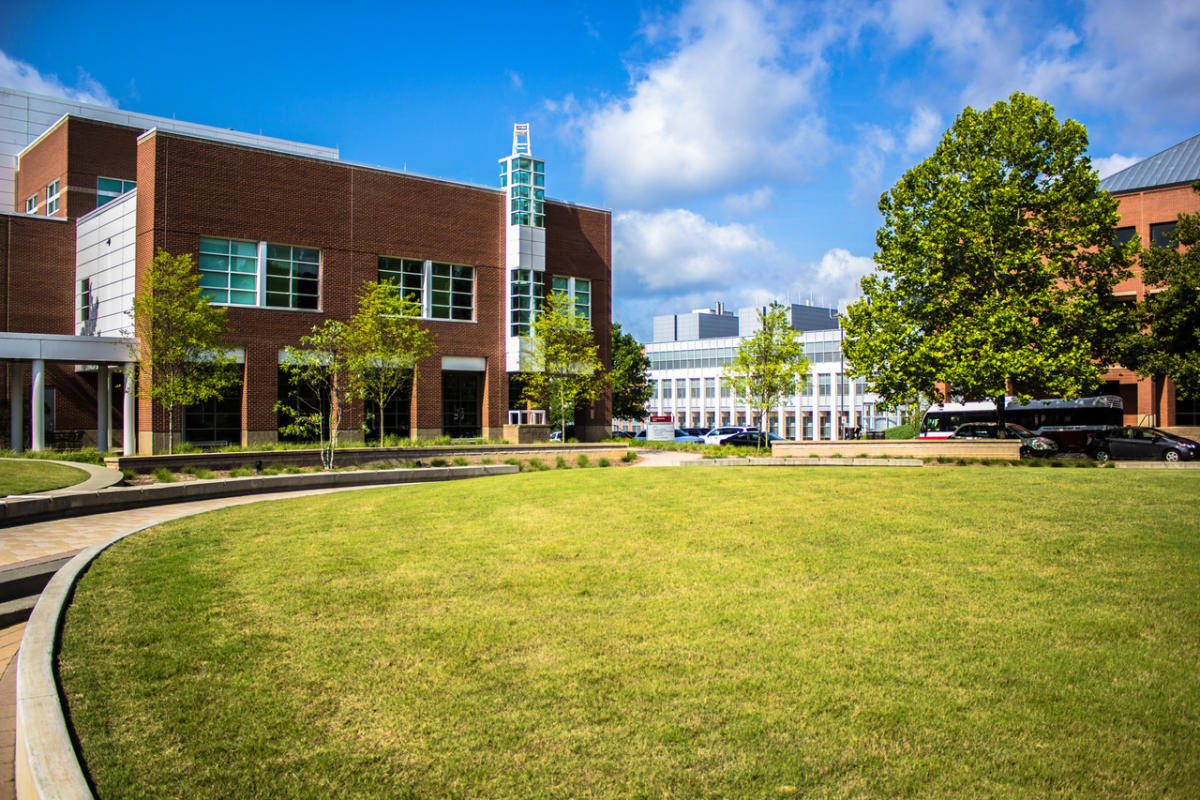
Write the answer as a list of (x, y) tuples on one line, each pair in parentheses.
[(923, 131), (731, 104), (677, 251), (18, 75), (835, 278), (1111, 165), (742, 205)]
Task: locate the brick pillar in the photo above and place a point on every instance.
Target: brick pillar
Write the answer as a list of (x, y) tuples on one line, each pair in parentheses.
[(427, 400), (260, 391)]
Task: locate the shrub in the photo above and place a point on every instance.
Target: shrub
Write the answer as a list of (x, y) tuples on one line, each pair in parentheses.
[(561, 463), (487, 461), (241, 472), (437, 462), (410, 464), (460, 461), (164, 475), (128, 474), (204, 474), (512, 462), (293, 470), (603, 462), (536, 465), (583, 461), (629, 457), (189, 470), (272, 469)]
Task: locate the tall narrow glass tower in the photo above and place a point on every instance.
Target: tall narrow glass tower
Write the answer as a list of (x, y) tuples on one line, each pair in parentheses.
[(523, 178)]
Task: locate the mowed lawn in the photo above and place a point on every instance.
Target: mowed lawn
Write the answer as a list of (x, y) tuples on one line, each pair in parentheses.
[(656, 633), (28, 476)]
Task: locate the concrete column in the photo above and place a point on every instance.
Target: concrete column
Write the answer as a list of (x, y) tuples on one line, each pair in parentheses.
[(37, 406), (129, 435), (103, 409), (799, 413), (816, 407), (853, 403), (16, 404), (779, 429)]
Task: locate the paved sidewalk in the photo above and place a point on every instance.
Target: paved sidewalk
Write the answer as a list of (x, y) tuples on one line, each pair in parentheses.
[(666, 458)]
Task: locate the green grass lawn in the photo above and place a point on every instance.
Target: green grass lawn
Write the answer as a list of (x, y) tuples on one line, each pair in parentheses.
[(28, 476), (656, 633)]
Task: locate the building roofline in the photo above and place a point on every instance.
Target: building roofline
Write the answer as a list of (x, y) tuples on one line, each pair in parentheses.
[(23, 215), (357, 165)]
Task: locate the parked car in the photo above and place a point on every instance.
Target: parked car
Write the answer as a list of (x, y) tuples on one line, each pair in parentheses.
[(725, 431), (1031, 443), (681, 437), (752, 439), (1134, 442), (695, 431)]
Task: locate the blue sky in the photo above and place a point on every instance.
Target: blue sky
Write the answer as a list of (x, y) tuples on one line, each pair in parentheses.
[(742, 146)]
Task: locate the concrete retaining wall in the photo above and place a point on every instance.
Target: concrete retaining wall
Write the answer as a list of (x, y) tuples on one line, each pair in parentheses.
[(19, 512), (356, 456), (902, 448)]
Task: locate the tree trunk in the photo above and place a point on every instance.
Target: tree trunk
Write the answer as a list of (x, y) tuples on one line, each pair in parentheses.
[(379, 421), (1001, 430), (171, 429)]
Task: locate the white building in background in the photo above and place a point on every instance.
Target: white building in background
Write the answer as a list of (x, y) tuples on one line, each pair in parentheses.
[(689, 354)]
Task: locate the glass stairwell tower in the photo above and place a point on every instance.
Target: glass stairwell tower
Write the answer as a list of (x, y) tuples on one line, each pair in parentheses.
[(523, 179)]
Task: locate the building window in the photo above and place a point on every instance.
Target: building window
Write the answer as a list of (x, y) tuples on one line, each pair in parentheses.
[(726, 390), (292, 276), (1160, 234), (527, 179), (526, 293), (452, 294), (1123, 236), (31, 204), (666, 388), (110, 189), (52, 194), (406, 273), (85, 299), (695, 388), (710, 387), (825, 382), (579, 290), (229, 271)]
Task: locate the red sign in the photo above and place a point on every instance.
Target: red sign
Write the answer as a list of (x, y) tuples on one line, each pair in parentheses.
[(660, 417)]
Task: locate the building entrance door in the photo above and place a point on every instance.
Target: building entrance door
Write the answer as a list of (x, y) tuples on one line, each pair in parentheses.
[(462, 404)]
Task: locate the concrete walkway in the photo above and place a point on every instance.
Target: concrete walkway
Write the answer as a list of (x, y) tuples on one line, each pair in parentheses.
[(666, 458)]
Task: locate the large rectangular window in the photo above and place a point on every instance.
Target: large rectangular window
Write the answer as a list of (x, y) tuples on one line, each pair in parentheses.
[(52, 195), (293, 275), (452, 294), (580, 292), (229, 271), (1160, 234), (31, 204), (406, 273), (526, 294), (110, 189)]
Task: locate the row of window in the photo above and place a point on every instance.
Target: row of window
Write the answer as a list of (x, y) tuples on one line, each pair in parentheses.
[(690, 387), (239, 273), (106, 189), (444, 291), (816, 352)]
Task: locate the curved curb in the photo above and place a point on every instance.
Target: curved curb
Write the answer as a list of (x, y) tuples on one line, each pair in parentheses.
[(98, 477)]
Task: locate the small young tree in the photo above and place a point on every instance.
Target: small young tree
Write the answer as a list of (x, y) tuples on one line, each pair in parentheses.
[(562, 367), (630, 389), (322, 363), (386, 343), (1170, 345), (179, 338), (768, 365)]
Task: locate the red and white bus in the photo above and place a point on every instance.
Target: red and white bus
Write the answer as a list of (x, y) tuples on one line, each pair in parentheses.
[(1068, 422)]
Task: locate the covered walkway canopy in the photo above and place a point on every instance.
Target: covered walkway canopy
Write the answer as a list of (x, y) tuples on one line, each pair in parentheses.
[(38, 348)]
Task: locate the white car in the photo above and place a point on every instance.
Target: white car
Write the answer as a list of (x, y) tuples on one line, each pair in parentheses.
[(717, 435)]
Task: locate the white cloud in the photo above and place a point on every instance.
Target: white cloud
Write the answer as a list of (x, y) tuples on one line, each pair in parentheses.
[(1111, 165), (18, 75), (836, 276), (515, 79), (923, 131), (733, 103), (677, 251), (866, 172), (744, 204)]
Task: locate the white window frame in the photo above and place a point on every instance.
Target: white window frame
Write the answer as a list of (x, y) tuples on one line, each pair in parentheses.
[(427, 288), (260, 290), (108, 192), (53, 193), (31, 203), (571, 293)]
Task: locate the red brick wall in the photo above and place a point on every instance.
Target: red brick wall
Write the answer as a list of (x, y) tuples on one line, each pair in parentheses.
[(1155, 398), (353, 215), (77, 152)]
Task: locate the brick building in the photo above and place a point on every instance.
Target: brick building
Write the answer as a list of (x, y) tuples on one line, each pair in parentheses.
[(1151, 196), (284, 235)]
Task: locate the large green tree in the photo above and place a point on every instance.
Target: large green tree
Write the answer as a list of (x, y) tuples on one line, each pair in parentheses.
[(1170, 342), (562, 367), (179, 337), (995, 266), (386, 343), (768, 365), (630, 389)]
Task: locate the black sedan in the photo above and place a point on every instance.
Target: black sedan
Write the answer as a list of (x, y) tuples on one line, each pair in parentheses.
[(1031, 443), (1133, 442), (752, 439)]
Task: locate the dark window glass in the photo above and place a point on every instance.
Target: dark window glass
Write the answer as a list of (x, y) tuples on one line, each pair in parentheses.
[(1160, 234), (1124, 235)]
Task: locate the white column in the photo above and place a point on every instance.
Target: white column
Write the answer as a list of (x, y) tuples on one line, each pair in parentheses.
[(128, 445), (799, 413), (779, 429), (853, 403), (16, 404), (37, 406), (816, 407), (103, 409)]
